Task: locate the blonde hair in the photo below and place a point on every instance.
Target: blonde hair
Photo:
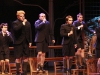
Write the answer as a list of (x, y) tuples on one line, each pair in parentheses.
[(20, 12)]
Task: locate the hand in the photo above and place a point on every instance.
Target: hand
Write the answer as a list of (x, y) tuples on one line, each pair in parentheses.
[(44, 20), (71, 32), (81, 26), (8, 33), (53, 41), (25, 20), (30, 44), (75, 45), (94, 32)]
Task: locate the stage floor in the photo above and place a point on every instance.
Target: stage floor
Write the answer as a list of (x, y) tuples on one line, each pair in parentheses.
[(50, 73)]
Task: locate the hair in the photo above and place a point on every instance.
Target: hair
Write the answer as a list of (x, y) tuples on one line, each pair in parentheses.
[(3, 24), (20, 12), (67, 17), (41, 13), (79, 15)]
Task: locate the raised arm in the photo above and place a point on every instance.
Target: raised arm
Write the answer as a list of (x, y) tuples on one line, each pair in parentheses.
[(17, 26), (39, 24)]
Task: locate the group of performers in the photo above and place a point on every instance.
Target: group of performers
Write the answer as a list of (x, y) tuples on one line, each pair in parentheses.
[(72, 33)]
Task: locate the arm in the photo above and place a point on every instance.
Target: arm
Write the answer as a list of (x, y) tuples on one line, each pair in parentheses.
[(17, 26), (9, 37), (77, 28), (39, 24), (30, 32), (86, 28), (97, 33), (75, 36), (51, 32), (62, 31)]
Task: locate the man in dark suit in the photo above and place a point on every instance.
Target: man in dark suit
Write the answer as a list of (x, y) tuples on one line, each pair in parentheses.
[(5, 40), (69, 43), (80, 26), (22, 40), (43, 30)]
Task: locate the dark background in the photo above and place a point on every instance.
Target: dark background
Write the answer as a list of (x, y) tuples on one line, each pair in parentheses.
[(61, 8), (89, 8)]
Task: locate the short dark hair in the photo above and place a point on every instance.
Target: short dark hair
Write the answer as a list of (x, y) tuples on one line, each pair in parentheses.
[(3, 24), (67, 17), (41, 13), (79, 15)]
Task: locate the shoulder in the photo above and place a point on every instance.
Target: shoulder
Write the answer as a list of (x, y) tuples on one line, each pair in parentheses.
[(47, 21), (83, 22), (37, 21), (28, 22), (16, 22), (75, 21), (63, 25)]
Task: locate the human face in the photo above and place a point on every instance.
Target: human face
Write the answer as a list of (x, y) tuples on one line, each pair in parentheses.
[(70, 21), (21, 17), (80, 18), (42, 17), (4, 29)]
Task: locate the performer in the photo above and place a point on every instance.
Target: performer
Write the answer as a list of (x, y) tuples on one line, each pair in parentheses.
[(80, 26), (43, 30), (22, 41), (5, 40), (69, 43), (98, 46)]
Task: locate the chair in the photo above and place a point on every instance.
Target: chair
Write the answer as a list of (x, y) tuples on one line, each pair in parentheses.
[(12, 68), (33, 66), (58, 65), (77, 70), (92, 67)]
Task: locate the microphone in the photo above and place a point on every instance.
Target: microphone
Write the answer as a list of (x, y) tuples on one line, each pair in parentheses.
[(44, 20), (8, 33), (81, 24)]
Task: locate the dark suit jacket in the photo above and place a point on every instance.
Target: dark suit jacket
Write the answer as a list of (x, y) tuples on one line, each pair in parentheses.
[(80, 31), (98, 37), (5, 41), (43, 30), (64, 30), (21, 32)]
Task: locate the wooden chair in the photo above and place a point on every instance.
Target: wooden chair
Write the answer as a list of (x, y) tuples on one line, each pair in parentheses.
[(33, 66), (58, 65), (77, 70), (92, 67), (12, 68)]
